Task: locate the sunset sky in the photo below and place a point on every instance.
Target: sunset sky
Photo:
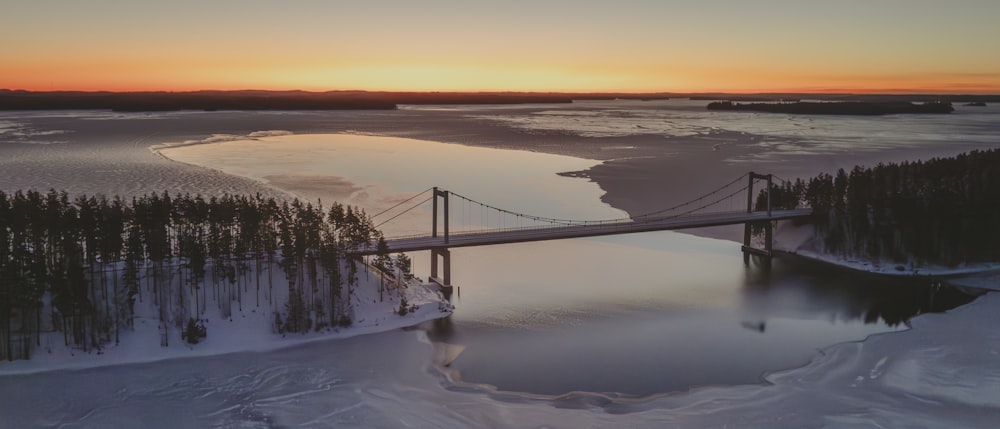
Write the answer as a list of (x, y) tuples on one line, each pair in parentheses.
[(555, 45)]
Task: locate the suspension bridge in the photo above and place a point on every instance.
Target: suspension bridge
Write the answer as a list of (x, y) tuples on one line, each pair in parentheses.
[(481, 224)]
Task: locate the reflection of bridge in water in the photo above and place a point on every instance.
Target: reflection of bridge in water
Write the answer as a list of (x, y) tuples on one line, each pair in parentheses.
[(492, 225)]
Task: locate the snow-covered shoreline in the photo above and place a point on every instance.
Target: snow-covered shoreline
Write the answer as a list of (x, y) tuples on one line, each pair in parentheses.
[(247, 331), (797, 241), (940, 373)]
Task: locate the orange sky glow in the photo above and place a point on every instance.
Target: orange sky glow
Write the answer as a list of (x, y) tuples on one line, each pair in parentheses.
[(448, 45)]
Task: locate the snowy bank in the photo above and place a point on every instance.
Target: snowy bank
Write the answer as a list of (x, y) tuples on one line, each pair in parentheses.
[(800, 241), (250, 329), (941, 373)]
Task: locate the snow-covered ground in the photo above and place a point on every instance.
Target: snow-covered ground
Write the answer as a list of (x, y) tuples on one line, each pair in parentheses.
[(249, 329), (800, 241), (945, 372)]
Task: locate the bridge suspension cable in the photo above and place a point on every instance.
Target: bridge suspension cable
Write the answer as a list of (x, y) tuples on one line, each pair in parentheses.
[(401, 203), (492, 218), (651, 216), (719, 189), (404, 211)]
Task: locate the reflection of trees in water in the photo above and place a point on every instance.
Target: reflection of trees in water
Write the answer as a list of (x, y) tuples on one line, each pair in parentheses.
[(910, 300), (852, 295), (440, 330)]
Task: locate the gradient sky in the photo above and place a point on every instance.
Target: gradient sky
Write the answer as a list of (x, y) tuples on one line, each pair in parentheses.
[(538, 45)]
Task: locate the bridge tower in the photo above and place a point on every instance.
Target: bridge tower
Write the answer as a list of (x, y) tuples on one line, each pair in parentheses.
[(768, 227), (434, 217), (442, 252)]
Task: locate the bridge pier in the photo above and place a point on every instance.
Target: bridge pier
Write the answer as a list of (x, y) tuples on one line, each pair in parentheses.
[(445, 279), (768, 225), (766, 252), (746, 244)]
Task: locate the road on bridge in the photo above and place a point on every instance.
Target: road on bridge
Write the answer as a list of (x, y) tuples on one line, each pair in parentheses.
[(520, 235)]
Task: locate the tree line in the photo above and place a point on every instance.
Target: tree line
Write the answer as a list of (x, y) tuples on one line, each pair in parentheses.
[(943, 210), (837, 107), (80, 266)]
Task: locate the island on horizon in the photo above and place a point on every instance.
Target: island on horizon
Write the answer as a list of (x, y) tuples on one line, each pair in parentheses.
[(870, 108)]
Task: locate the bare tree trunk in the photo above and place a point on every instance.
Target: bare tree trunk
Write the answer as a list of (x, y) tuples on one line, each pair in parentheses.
[(117, 321), (257, 273)]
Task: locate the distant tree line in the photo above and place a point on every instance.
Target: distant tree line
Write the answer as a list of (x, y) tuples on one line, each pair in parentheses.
[(944, 210), (195, 100), (282, 100), (836, 107), (79, 266)]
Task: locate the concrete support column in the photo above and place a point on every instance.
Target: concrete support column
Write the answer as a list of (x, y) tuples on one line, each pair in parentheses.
[(746, 227), (770, 178), (446, 254), (768, 236), (445, 278), (767, 224), (746, 243), (434, 263), (434, 213)]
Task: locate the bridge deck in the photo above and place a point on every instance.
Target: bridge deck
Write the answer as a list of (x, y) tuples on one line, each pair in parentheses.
[(412, 244)]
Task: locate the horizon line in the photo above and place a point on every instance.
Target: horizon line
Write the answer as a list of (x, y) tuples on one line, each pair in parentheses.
[(855, 91)]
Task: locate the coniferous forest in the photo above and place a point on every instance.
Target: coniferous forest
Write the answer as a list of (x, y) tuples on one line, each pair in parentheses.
[(83, 266), (939, 211)]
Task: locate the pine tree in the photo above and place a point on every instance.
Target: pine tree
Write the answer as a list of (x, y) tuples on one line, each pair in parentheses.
[(165, 244)]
